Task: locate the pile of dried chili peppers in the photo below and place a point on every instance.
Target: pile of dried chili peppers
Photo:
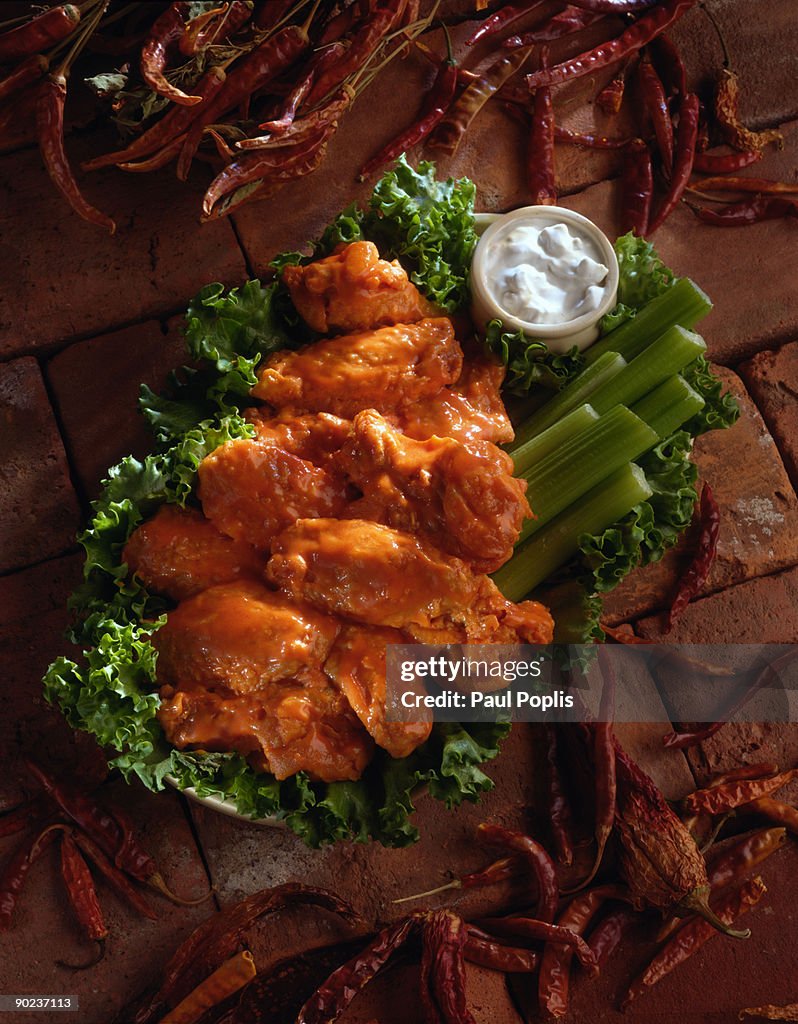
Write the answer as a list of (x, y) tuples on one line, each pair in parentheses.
[(91, 832), (257, 89), (263, 84), (650, 860)]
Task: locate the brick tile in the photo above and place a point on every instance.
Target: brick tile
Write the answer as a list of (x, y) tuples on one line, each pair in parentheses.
[(70, 278), (759, 513), (101, 430), (761, 611), (38, 507), (744, 270), (772, 379)]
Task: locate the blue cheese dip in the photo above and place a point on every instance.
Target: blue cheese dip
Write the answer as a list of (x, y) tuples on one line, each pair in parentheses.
[(548, 274)]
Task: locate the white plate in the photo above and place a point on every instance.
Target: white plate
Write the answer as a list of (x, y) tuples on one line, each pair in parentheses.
[(223, 805)]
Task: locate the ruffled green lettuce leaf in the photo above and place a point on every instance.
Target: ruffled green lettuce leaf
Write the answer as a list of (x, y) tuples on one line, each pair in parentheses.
[(530, 363), (643, 276)]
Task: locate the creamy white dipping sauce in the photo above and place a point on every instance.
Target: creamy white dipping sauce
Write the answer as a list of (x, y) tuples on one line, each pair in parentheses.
[(548, 275)]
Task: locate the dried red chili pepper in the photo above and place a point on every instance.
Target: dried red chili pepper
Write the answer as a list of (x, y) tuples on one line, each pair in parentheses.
[(746, 771), (725, 797), (727, 101), (443, 984), (50, 133), (116, 878), (436, 103), (670, 66), (330, 1000), (461, 113), (19, 818), (683, 160), (287, 114), (303, 129), (498, 871), (362, 45), (281, 163), (771, 1012), (692, 937), (637, 186), (610, 98), (573, 138), (775, 811), (763, 186), (15, 873), (216, 939), (166, 30), (634, 38), (267, 15), (42, 32), (565, 23), (733, 863), (658, 857), (499, 20), (158, 159), (656, 104), (540, 175), (339, 25), (83, 899), (558, 806), (750, 211), (604, 760), (555, 967), (258, 68), (30, 70), (483, 949), (174, 123), (609, 932), (725, 163), (697, 572), (681, 740), (188, 41), (529, 928), (201, 33), (539, 861)]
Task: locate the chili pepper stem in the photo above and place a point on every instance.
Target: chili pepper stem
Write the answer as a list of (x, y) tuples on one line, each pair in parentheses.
[(98, 956), (696, 903), (454, 884), (714, 22), (713, 835), (85, 31), (157, 882)]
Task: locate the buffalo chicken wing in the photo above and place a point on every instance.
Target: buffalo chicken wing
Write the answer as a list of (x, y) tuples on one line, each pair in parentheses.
[(380, 369), (251, 490), (353, 290), (179, 553), (465, 501), (379, 576)]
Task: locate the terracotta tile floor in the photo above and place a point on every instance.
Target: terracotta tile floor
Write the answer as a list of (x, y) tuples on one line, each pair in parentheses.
[(85, 318)]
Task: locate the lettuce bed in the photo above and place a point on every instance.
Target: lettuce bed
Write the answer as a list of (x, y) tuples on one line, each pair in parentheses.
[(429, 226)]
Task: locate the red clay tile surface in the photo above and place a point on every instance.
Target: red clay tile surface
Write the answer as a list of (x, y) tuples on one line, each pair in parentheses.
[(93, 316)]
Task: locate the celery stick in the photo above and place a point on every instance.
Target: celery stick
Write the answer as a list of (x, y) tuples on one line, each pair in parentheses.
[(557, 543), (578, 465), (670, 405), (683, 304), (670, 353), (537, 448), (575, 394)]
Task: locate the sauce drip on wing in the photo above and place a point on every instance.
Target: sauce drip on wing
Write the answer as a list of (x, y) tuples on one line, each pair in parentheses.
[(381, 369), (179, 553), (353, 290), (466, 502)]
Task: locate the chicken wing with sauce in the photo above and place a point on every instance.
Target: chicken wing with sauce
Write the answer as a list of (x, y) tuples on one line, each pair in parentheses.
[(251, 490), (466, 502), (314, 436), (291, 726), (357, 665), (353, 290), (179, 553), (239, 637), (470, 410), (379, 576), (380, 369)]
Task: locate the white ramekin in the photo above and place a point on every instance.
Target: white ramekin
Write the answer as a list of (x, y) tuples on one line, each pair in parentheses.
[(559, 337)]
